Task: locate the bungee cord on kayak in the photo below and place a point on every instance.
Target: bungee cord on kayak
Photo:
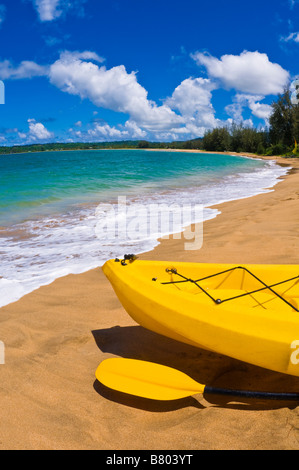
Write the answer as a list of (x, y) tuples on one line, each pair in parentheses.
[(220, 301)]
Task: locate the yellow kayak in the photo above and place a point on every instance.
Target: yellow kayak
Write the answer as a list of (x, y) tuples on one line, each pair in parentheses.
[(247, 312)]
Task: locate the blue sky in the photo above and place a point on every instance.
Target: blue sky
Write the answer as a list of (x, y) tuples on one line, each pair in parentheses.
[(92, 70)]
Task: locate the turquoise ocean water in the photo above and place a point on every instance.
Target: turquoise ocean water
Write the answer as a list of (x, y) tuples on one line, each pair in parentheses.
[(49, 205)]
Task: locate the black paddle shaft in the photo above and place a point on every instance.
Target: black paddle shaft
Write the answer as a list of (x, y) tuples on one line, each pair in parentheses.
[(252, 394)]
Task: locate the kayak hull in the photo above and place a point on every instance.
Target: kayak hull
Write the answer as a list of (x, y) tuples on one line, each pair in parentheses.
[(261, 328)]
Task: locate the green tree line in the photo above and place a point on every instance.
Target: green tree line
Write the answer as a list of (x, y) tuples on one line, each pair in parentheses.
[(280, 138)]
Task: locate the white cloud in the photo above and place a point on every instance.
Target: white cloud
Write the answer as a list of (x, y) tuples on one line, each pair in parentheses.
[(103, 132), (22, 135), (193, 100), (133, 131), (68, 56), (26, 69), (260, 110), (192, 95), (114, 89), (291, 37), (37, 131), (48, 10), (250, 72), (30, 69)]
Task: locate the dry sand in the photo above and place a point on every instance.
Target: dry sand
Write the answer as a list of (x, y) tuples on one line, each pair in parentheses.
[(56, 337)]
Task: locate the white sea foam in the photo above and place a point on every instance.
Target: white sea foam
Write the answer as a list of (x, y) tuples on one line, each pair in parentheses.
[(51, 248)]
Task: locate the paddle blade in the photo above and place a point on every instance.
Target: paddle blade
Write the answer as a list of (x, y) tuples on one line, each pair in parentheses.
[(146, 379)]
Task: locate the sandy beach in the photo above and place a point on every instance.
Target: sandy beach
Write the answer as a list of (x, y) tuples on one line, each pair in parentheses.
[(56, 337)]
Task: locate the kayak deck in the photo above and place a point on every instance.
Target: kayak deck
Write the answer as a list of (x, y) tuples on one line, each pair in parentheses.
[(254, 322)]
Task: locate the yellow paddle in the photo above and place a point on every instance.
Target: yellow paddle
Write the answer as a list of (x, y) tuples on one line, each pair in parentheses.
[(157, 382)]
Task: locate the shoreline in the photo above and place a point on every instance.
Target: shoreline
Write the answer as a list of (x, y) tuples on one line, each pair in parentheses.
[(237, 154), (56, 337), (15, 290), (226, 207)]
